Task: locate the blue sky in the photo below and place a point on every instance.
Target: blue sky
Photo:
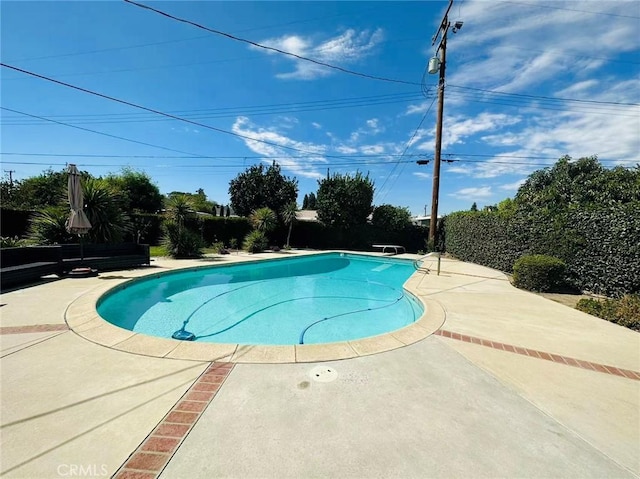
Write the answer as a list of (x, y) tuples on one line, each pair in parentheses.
[(527, 82)]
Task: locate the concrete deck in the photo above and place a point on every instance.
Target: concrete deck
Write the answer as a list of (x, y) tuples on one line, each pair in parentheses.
[(510, 385)]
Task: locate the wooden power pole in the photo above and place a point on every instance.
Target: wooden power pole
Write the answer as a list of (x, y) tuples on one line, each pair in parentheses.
[(442, 51)]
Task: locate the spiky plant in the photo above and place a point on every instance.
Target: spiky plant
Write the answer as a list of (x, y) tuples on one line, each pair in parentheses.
[(263, 219)]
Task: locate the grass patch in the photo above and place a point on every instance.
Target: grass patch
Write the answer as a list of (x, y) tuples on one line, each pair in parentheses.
[(157, 251)]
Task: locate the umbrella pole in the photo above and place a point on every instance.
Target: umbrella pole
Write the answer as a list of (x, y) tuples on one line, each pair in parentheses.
[(81, 251)]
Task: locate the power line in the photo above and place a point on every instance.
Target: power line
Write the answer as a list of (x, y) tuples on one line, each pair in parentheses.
[(244, 108), (273, 49), (275, 157), (124, 102), (230, 112), (345, 164), (178, 40), (513, 102), (538, 97), (571, 9), (96, 132), (564, 53), (174, 65), (123, 70), (93, 155), (409, 143)]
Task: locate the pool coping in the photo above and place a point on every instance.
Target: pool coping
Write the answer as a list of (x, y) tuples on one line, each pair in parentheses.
[(83, 319)]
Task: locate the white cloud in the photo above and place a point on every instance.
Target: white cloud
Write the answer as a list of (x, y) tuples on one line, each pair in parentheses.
[(457, 128), (482, 192), (372, 149), (306, 168), (421, 107), (419, 174), (316, 125), (460, 170), (529, 44), (513, 186), (374, 126), (346, 150), (349, 47), (578, 89)]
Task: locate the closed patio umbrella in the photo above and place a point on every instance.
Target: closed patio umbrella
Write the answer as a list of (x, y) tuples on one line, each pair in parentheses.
[(78, 223)]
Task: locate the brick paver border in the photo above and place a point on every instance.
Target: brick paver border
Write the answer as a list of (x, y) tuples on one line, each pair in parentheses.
[(155, 452), (556, 358), (36, 328)]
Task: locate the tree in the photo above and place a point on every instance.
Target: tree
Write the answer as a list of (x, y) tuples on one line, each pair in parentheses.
[(391, 218), (507, 207), (258, 188), (345, 201), (289, 217), (474, 206), (312, 205), (37, 192), (309, 202), (137, 191), (199, 201), (581, 183)]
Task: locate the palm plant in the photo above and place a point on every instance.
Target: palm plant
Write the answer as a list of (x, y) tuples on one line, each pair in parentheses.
[(263, 219), (289, 217), (179, 209), (181, 242), (48, 226), (178, 240), (103, 208)]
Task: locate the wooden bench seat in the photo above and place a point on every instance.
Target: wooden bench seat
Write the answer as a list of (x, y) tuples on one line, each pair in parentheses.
[(21, 265)]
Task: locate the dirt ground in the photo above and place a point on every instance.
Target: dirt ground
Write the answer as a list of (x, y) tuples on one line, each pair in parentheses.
[(567, 299)]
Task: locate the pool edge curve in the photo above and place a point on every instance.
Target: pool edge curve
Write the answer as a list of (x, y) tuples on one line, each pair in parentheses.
[(83, 319)]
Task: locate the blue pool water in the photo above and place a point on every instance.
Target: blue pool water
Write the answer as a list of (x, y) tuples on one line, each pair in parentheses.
[(303, 300)]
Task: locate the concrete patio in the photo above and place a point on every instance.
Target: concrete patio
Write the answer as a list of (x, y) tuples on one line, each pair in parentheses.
[(510, 384)]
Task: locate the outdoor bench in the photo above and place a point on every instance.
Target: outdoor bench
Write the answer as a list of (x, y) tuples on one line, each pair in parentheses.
[(20, 265), (104, 257)]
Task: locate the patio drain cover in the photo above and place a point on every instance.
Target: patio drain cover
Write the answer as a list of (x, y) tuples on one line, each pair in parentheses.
[(323, 374)]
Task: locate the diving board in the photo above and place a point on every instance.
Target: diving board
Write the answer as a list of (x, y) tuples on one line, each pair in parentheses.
[(394, 247)]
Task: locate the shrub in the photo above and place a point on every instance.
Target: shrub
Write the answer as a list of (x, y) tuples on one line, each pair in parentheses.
[(538, 272), (48, 226), (9, 242), (255, 242), (181, 242), (624, 311), (600, 245), (219, 248)]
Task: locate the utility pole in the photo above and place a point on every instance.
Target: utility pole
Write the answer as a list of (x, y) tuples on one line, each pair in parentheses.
[(11, 172), (433, 68)]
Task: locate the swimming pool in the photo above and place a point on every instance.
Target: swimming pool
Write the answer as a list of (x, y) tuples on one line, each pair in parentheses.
[(304, 300)]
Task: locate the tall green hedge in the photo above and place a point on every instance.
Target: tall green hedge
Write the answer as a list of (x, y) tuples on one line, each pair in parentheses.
[(14, 222), (601, 247), (305, 234)]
